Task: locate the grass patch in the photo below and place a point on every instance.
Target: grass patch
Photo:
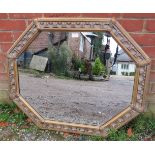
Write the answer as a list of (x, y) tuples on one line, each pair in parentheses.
[(141, 127), (11, 114)]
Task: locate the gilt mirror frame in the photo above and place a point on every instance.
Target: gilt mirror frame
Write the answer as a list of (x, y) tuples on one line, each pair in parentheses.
[(120, 35)]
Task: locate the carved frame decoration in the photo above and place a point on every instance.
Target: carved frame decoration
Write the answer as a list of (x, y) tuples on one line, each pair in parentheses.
[(133, 50)]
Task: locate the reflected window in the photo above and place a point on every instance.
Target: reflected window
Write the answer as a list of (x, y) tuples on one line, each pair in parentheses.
[(75, 34), (81, 43), (125, 66)]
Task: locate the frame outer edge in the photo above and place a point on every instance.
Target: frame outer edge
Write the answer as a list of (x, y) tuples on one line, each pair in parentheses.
[(146, 88), (111, 21), (147, 58)]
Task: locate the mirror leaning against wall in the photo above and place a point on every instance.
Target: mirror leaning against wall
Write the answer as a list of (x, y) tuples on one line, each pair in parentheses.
[(76, 77)]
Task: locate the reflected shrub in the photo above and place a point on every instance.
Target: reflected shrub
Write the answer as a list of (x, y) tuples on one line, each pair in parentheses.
[(76, 62), (98, 67), (83, 67), (132, 74), (126, 74), (60, 59), (123, 73), (86, 67), (112, 72)]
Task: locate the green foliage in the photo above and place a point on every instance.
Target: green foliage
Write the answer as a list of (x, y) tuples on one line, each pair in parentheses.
[(18, 118), (83, 67), (98, 67), (96, 138), (123, 73), (86, 67), (97, 43), (132, 73), (140, 126), (112, 72), (6, 108), (143, 123), (60, 59), (4, 117), (119, 135), (11, 114), (126, 74), (76, 63)]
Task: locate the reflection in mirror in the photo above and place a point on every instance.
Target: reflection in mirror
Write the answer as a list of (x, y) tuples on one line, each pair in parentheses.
[(77, 77)]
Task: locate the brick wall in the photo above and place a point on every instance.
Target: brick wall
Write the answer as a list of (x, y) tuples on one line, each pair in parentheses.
[(140, 26), (39, 43), (74, 44), (87, 48)]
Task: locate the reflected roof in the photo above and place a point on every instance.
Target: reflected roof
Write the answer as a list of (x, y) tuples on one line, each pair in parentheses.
[(122, 56)]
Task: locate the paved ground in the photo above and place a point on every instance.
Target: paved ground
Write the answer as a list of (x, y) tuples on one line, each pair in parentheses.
[(86, 102)]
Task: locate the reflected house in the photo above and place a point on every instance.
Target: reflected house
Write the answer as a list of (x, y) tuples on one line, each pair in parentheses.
[(79, 44), (38, 47), (124, 65)]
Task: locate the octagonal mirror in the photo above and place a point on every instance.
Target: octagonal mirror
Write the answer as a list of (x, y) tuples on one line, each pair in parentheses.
[(78, 75)]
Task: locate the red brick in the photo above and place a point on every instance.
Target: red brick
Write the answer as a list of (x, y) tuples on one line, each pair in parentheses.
[(3, 16), (100, 15), (153, 64), (153, 88), (138, 15), (25, 15), (62, 14), (144, 39), (5, 46), (3, 76), (2, 68), (152, 76), (150, 51), (16, 35), (12, 25), (29, 22), (4, 85), (150, 25), (3, 58), (6, 37), (132, 25), (40, 42)]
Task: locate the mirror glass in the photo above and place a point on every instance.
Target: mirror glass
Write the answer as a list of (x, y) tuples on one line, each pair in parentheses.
[(76, 77)]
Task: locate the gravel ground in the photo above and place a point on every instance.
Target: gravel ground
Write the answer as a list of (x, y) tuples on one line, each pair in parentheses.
[(68, 100), (28, 133)]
